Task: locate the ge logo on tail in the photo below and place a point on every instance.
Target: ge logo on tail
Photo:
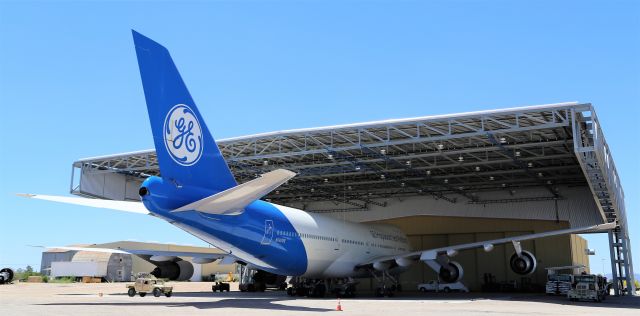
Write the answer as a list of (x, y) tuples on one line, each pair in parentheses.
[(183, 135)]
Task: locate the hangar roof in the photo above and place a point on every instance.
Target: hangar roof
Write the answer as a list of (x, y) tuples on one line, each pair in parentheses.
[(453, 157)]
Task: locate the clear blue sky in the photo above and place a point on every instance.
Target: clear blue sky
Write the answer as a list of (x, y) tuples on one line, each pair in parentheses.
[(70, 88)]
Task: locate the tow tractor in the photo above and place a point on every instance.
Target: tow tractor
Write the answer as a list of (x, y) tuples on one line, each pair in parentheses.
[(589, 287), (220, 286)]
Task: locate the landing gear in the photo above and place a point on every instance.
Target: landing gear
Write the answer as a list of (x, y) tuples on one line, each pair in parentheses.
[(319, 288), (385, 289)]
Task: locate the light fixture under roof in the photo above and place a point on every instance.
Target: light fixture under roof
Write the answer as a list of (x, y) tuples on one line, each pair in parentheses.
[(477, 168), (440, 146), (446, 180), (383, 151)]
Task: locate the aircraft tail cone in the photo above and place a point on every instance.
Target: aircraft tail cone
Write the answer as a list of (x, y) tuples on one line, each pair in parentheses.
[(339, 307)]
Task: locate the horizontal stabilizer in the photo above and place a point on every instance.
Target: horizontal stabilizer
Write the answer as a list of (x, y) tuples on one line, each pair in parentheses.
[(125, 206), (234, 200)]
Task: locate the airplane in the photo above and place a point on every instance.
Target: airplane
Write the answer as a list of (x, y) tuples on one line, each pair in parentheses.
[(197, 193)]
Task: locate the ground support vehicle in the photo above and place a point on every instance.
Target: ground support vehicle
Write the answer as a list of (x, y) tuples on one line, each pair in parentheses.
[(436, 286), (559, 284), (147, 283), (589, 287), (220, 286)]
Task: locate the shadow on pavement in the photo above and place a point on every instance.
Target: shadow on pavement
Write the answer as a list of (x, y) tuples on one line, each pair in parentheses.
[(269, 299), (253, 303)]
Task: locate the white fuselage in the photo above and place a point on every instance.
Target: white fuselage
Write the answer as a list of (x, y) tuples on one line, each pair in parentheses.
[(333, 247)]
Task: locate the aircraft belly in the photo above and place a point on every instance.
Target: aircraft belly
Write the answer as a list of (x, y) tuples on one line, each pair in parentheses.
[(226, 247)]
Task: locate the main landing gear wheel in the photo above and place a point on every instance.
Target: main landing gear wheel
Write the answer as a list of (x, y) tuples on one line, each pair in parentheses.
[(384, 291)]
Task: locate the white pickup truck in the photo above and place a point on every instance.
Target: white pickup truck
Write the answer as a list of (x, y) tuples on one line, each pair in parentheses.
[(436, 286)]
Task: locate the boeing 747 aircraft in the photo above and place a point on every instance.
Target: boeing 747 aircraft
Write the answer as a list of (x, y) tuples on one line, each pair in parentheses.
[(197, 193)]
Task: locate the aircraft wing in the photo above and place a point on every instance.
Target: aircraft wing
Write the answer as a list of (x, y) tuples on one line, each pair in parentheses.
[(159, 255), (431, 254), (124, 206)]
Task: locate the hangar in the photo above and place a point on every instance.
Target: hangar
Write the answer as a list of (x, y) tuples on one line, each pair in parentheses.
[(123, 267), (444, 179)]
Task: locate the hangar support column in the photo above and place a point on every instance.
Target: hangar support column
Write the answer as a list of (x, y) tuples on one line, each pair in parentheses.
[(597, 164)]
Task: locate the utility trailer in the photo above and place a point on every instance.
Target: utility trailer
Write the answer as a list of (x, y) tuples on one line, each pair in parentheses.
[(560, 283)]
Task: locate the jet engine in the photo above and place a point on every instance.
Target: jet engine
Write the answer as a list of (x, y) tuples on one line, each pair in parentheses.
[(173, 270), (6, 275), (451, 273), (524, 264)]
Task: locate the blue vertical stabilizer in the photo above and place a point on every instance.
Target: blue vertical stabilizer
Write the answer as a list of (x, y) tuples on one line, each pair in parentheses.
[(187, 153)]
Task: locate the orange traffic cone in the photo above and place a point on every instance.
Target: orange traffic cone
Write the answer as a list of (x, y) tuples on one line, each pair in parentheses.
[(339, 307)]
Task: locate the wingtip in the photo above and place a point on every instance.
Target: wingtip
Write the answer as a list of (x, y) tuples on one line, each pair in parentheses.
[(27, 195), (287, 172)]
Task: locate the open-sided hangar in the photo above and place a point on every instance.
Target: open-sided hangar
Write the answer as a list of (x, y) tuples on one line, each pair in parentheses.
[(443, 179)]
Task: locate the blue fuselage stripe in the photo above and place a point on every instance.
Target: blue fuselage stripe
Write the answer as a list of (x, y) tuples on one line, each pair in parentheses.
[(262, 230)]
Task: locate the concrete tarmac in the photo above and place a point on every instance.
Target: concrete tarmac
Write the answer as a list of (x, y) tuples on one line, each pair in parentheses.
[(196, 298)]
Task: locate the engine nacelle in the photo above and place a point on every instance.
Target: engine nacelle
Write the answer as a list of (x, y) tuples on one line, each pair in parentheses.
[(381, 266), (451, 273), (6, 275), (176, 271), (404, 262), (162, 258), (524, 264), (202, 260)]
